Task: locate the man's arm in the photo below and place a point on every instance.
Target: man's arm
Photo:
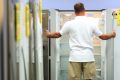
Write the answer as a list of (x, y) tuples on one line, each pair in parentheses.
[(53, 34), (107, 36)]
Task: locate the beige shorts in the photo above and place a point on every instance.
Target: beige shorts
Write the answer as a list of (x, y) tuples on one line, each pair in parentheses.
[(78, 70)]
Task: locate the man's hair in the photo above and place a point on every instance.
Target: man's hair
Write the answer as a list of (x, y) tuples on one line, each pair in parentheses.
[(79, 7)]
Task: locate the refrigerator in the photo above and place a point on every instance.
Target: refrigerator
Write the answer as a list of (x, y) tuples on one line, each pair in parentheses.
[(21, 55), (106, 52), (60, 47)]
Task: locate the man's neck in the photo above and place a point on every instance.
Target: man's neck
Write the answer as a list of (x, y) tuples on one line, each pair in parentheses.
[(80, 14)]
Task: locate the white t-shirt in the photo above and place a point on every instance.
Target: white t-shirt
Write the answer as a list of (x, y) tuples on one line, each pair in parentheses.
[(81, 31)]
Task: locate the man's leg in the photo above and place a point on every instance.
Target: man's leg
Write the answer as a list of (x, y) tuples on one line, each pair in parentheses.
[(89, 70), (74, 71)]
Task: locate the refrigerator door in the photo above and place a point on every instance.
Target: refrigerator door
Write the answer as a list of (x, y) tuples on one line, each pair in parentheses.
[(111, 55), (109, 47), (116, 48), (54, 46)]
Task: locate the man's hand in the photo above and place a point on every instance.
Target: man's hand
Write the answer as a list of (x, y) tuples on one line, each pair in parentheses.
[(52, 34), (113, 34)]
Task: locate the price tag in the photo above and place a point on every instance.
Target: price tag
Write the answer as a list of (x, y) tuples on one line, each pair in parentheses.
[(118, 17)]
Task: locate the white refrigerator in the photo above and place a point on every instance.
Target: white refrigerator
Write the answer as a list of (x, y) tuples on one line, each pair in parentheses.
[(106, 53)]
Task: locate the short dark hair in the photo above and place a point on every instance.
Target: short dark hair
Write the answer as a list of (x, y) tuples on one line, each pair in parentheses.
[(78, 7)]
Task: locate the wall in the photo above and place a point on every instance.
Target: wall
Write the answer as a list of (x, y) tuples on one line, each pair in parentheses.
[(89, 4)]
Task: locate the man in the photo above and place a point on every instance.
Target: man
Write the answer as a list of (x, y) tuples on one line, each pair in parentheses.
[(81, 30)]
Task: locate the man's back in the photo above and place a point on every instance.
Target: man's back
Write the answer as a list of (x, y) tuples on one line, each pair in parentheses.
[(81, 30)]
